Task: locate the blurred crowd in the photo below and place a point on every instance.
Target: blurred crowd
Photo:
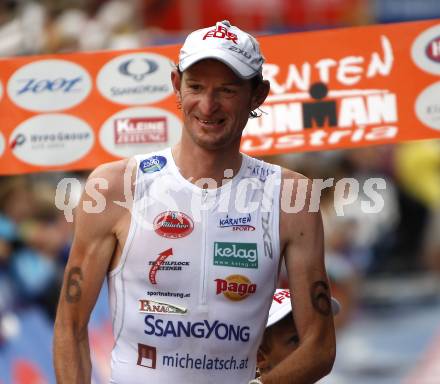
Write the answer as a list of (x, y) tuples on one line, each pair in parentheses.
[(402, 239)]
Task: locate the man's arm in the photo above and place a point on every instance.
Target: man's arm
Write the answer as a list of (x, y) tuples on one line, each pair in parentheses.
[(302, 237), (91, 254)]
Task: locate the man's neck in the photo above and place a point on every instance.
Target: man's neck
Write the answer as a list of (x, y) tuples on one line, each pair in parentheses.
[(199, 163)]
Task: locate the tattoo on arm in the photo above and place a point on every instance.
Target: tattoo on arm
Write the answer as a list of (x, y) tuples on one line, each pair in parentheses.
[(320, 296), (73, 288)]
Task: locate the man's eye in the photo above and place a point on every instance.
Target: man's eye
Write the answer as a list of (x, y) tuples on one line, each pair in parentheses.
[(228, 91), (195, 87), (294, 339)]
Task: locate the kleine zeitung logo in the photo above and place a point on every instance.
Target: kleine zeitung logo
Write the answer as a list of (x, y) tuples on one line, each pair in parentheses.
[(123, 124), (51, 140), (49, 85), (136, 78), (425, 50)]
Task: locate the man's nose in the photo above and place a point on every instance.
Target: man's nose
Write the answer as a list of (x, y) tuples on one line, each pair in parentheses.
[(208, 103)]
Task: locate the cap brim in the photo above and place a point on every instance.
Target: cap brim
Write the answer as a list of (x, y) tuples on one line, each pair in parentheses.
[(240, 69), (284, 310)]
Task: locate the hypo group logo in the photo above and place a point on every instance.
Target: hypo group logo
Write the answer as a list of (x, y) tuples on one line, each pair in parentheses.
[(139, 130), (53, 139), (49, 85), (136, 78), (426, 50)]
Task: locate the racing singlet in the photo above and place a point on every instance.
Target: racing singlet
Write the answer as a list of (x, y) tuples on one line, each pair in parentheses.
[(191, 294)]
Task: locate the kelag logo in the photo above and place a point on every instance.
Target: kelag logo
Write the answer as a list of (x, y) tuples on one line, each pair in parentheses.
[(241, 255), (136, 78), (49, 85), (201, 329)]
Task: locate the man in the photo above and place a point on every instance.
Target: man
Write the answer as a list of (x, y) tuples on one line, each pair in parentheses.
[(191, 267), (280, 338)]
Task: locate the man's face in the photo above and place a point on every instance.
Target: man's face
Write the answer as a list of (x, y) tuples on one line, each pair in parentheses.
[(215, 104), (279, 341)]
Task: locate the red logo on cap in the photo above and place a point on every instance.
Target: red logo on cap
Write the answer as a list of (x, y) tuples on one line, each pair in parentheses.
[(221, 33), (280, 296)]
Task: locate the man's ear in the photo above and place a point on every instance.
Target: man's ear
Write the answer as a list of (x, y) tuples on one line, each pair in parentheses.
[(262, 360), (176, 81), (260, 94)]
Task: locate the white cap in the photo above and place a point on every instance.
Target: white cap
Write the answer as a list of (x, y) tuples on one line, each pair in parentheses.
[(233, 47), (281, 306)]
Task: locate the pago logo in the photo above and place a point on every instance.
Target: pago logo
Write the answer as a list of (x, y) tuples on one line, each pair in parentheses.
[(49, 85), (235, 287), (136, 78), (51, 139), (153, 164)]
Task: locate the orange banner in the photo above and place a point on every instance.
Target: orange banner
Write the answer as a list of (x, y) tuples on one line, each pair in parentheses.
[(329, 89)]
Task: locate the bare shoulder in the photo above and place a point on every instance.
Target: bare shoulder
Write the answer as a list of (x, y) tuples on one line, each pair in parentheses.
[(107, 195), (114, 177)]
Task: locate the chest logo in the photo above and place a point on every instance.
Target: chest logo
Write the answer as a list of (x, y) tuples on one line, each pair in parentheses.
[(151, 306), (237, 255), (173, 225), (241, 223), (235, 287)]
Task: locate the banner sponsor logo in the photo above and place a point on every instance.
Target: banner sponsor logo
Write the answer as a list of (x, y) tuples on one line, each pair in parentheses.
[(153, 164), (140, 130), (241, 223), (52, 139), (204, 329), (428, 106), (49, 85), (235, 287), (173, 224), (136, 78), (304, 110), (123, 133), (151, 306), (147, 356), (2, 144), (433, 49), (425, 50), (240, 255)]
